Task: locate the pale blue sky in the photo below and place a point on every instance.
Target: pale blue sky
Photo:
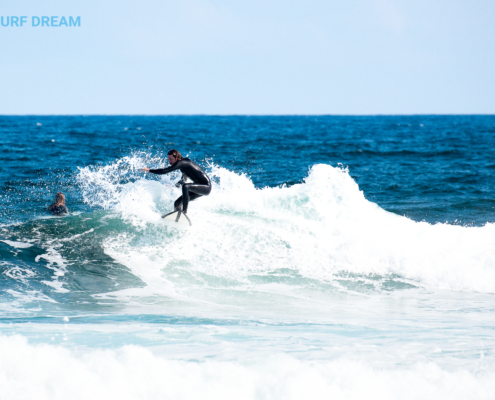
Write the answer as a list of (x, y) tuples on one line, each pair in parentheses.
[(251, 57)]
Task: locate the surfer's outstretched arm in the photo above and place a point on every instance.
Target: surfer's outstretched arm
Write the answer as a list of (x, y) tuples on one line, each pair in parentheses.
[(162, 171), (173, 157)]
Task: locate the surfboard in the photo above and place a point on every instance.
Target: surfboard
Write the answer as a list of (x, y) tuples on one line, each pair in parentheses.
[(51, 216), (178, 217)]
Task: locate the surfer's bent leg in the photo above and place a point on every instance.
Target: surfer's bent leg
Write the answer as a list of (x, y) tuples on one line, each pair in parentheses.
[(178, 202), (196, 190)]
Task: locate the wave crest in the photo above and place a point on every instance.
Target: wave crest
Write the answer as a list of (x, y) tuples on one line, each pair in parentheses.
[(319, 230)]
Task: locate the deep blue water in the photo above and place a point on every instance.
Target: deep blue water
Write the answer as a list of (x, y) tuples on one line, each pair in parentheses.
[(432, 168)]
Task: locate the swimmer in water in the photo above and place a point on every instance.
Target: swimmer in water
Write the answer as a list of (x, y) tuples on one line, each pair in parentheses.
[(59, 207), (200, 186)]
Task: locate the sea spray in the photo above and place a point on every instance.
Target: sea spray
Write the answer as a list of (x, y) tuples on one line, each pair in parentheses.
[(320, 229)]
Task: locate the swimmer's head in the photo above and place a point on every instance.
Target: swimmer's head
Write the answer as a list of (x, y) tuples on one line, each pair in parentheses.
[(60, 199), (174, 156)]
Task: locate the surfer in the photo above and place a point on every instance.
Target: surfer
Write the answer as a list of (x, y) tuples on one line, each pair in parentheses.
[(200, 186), (58, 207)]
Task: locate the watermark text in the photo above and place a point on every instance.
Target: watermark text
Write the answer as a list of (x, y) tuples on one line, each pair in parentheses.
[(41, 21)]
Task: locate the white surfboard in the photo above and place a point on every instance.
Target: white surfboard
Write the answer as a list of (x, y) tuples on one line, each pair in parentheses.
[(75, 213), (178, 217)]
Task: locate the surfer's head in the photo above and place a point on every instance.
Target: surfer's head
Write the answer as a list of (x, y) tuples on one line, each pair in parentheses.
[(174, 156)]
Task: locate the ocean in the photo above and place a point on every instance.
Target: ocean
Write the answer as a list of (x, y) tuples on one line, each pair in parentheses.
[(337, 257)]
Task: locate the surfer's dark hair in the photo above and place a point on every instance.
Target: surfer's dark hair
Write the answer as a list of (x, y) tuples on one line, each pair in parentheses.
[(176, 154), (59, 201)]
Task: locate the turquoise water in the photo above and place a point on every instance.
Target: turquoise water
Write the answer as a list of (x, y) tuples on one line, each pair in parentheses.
[(344, 257)]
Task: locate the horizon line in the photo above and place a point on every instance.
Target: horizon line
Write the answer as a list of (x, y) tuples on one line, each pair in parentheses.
[(247, 115)]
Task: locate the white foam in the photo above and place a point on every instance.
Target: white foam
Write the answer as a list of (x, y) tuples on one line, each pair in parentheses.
[(17, 245), (55, 262), (70, 238), (317, 229), (17, 272), (53, 372)]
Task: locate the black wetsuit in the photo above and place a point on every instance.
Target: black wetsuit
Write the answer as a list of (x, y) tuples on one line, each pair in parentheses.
[(201, 185), (59, 210)]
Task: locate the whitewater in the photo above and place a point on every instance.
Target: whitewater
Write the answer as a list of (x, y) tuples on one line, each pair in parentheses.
[(299, 289), (315, 231)]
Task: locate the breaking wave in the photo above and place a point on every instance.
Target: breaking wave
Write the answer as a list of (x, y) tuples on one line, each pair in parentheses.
[(321, 230)]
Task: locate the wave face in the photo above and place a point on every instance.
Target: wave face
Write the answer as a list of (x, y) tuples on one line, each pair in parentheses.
[(321, 231)]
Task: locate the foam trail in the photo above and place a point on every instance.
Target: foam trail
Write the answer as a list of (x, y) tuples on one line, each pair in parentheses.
[(17, 245), (55, 262), (317, 230)]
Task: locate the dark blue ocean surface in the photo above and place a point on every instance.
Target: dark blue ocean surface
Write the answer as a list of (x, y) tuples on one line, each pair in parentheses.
[(432, 168)]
